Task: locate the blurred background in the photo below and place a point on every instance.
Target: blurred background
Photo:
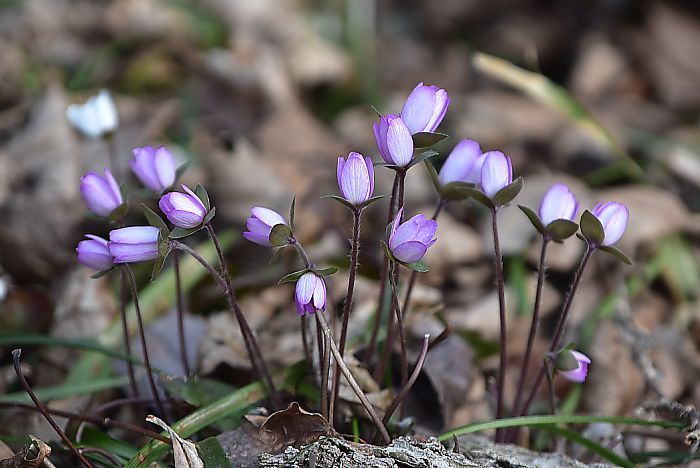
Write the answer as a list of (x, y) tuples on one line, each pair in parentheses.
[(264, 95)]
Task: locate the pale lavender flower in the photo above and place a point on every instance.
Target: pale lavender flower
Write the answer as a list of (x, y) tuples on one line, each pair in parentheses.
[(101, 194), (94, 253), (184, 210), (463, 164), (134, 244), (97, 117), (394, 140), (425, 108), (558, 203), (496, 172), (579, 374), (155, 168), (356, 178), (409, 241), (613, 216), (260, 223), (310, 294)]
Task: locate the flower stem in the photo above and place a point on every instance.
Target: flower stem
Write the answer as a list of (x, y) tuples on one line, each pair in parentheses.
[(354, 255), (533, 326), (399, 327), (300, 250), (325, 369), (142, 336), (561, 325), (180, 314), (500, 283), (369, 354), (351, 380), (393, 270), (305, 341), (414, 274), (125, 333), (15, 358), (249, 340)]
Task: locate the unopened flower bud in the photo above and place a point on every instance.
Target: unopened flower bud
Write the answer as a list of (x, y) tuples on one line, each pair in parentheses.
[(310, 294), (356, 178), (558, 203), (94, 253), (134, 244), (260, 223), (394, 140), (463, 164), (184, 210), (155, 168), (496, 172), (409, 241), (572, 365), (613, 216), (101, 194), (425, 108)]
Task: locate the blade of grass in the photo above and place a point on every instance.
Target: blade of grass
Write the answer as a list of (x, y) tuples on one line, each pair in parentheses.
[(548, 93), (554, 419), (594, 447), (66, 390)]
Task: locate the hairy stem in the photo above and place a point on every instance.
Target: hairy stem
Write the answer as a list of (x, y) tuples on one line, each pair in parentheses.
[(354, 255), (180, 314), (351, 380), (125, 333), (142, 336), (369, 354), (402, 333), (561, 325), (305, 341), (325, 370), (500, 283), (533, 326), (15, 357), (249, 340)]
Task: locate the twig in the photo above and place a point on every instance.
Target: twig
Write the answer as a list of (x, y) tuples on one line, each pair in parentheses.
[(16, 353), (351, 380)]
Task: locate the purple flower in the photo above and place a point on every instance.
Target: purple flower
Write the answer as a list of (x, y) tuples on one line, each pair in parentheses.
[(134, 244), (310, 294), (94, 253), (184, 210), (496, 172), (260, 223), (409, 241), (101, 194), (356, 178), (425, 108), (558, 203), (97, 117), (463, 164), (155, 168), (613, 216), (394, 140), (577, 375)]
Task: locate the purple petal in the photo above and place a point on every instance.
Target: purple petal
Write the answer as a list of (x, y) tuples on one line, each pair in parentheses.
[(127, 253), (496, 172), (558, 203), (319, 298), (419, 108), (195, 200), (354, 180), (135, 235), (395, 226), (267, 216), (258, 227), (614, 217), (409, 252), (381, 140), (459, 163), (399, 142), (305, 287), (370, 171), (184, 219), (164, 167), (259, 239), (442, 102)]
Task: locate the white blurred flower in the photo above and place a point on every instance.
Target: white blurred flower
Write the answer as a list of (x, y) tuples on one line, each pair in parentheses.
[(97, 117)]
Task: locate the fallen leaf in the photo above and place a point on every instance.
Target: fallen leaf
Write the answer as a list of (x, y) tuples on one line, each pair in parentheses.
[(291, 426), (184, 451)]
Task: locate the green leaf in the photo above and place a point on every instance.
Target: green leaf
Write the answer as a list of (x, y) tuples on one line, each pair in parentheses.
[(280, 235), (100, 274), (387, 251), (434, 176), (291, 277), (291, 213), (325, 271), (598, 449), (425, 155), (201, 192), (371, 200), (419, 266), (96, 438), (342, 201), (566, 361), (479, 196), (195, 390), (561, 229), (155, 220), (615, 252), (67, 390), (591, 228), (179, 233), (509, 192), (118, 213), (212, 454), (541, 420), (180, 171), (534, 218), (456, 191), (160, 261), (277, 251), (210, 215), (427, 139)]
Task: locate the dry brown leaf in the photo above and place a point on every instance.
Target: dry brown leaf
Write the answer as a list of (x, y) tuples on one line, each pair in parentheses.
[(31, 455), (291, 426), (184, 451)]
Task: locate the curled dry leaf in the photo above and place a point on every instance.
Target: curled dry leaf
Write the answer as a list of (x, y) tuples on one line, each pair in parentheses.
[(291, 426), (184, 451), (32, 455)]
